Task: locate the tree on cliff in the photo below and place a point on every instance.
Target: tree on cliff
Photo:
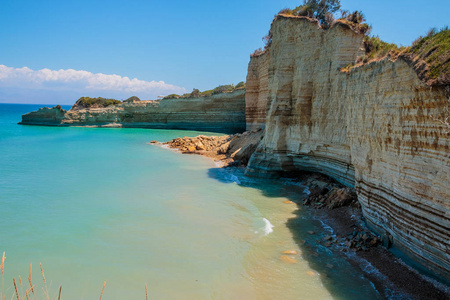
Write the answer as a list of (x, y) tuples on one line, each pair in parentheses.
[(321, 10)]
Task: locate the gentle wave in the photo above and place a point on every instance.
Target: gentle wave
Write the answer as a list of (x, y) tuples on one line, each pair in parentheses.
[(268, 228)]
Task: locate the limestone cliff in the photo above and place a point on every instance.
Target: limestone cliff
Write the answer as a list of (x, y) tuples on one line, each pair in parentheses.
[(370, 129), (45, 116), (220, 113)]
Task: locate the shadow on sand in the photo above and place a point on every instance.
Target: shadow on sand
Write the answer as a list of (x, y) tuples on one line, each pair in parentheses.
[(339, 277)]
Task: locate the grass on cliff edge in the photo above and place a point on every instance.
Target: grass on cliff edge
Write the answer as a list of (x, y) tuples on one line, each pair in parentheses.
[(429, 55), (217, 90), (434, 50)]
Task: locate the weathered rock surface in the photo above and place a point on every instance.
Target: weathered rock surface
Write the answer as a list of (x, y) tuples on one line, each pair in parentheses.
[(229, 149), (370, 129), (45, 116), (220, 113)]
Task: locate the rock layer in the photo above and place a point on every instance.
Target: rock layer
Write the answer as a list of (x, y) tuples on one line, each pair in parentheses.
[(45, 116), (219, 113), (370, 129)]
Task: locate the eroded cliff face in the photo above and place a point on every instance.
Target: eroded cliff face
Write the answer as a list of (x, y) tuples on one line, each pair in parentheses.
[(220, 113), (370, 129), (45, 116)]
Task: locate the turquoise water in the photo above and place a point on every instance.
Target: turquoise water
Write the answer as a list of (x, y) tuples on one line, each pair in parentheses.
[(95, 204)]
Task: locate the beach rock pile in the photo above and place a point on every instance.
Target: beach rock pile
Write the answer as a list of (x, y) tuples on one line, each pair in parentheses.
[(361, 240), (232, 149), (199, 143), (331, 197)]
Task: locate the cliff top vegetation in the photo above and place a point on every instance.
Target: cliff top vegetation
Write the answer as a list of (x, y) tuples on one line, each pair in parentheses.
[(217, 90), (132, 99), (429, 55), (88, 102), (323, 12)]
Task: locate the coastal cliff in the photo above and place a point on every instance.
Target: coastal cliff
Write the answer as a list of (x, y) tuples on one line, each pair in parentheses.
[(370, 128), (219, 113)]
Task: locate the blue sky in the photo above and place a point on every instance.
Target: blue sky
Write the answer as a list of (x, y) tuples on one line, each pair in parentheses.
[(185, 44)]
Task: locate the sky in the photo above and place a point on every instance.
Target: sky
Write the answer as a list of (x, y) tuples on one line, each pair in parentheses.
[(54, 51)]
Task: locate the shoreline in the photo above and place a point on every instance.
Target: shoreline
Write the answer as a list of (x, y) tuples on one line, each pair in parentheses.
[(391, 277)]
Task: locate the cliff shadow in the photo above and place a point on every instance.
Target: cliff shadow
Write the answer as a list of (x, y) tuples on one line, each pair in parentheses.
[(342, 279)]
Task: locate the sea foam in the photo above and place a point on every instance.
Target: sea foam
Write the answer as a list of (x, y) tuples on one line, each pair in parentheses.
[(268, 228)]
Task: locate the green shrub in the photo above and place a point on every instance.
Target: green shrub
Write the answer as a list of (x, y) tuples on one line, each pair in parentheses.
[(240, 85), (194, 94), (132, 99), (318, 9), (172, 96), (355, 21), (88, 102), (223, 89), (217, 90), (206, 93)]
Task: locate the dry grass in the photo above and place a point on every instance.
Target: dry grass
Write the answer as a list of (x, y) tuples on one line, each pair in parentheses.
[(103, 289), (15, 286), (30, 292), (29, 280), (3, 280), (3, 262), (45, 282)]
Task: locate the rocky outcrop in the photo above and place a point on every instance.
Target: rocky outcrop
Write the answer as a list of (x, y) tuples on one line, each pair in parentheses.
[(45, 116), (369, 129), (235, 149), (218, 113)]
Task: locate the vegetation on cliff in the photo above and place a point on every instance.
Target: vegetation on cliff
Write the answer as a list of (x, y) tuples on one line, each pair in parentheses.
[(321, 10), (434, 50), (323, 13), (132, 99), (429, 55), (88, 102), (217, 90)]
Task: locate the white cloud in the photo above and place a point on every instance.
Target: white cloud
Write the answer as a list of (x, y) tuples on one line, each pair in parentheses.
[(23, 83)]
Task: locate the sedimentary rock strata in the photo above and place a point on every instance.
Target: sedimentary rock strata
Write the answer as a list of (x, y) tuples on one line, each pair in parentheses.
[(45, 116), (370, 129), (221, 113)]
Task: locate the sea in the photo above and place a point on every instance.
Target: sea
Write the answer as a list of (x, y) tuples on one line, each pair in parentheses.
[(102, 209)]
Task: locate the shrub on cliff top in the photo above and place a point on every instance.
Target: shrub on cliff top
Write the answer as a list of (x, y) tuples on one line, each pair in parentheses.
[(240, 85), (318, 9), (87, 102), (355, 21), (217, 90), (172, 96), (132, 99), (324, 12)]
